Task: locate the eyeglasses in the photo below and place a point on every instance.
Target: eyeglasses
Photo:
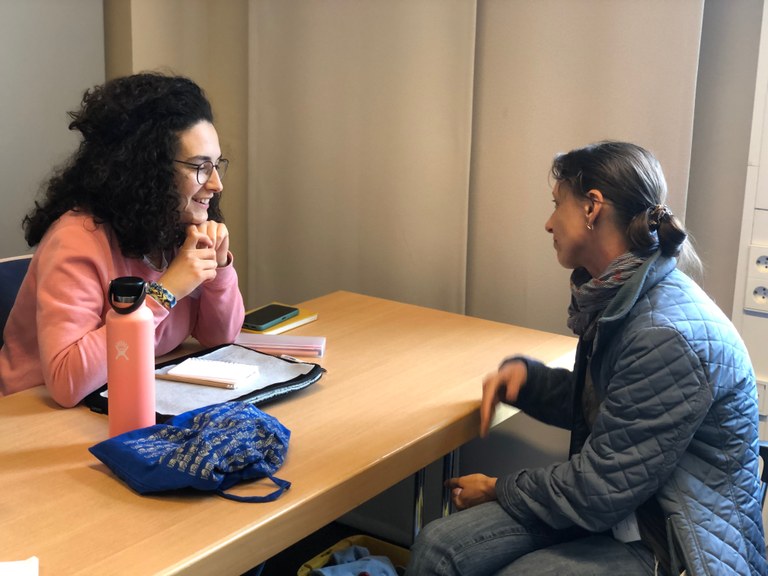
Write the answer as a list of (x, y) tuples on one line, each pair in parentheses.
[(205, 169)]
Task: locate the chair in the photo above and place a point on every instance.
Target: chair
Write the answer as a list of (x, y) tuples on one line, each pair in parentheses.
[(763, 472), (12, 272)]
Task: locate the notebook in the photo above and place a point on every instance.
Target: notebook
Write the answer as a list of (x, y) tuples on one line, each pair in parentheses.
[(218, 373), (281, 344), (277, 378)]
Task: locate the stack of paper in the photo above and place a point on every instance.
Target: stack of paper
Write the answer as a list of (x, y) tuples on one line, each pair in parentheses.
[(291, 345), (218, 373)]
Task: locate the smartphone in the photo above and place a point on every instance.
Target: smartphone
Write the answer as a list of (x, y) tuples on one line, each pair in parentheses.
[(267, 316)]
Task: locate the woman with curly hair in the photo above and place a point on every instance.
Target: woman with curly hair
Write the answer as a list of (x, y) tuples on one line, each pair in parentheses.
[(139, 197)]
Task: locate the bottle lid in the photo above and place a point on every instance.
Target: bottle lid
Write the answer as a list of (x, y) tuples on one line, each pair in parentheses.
[(128, 292)]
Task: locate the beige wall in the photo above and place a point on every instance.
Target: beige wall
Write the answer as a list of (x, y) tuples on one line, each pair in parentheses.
[(367, 174), (51, 52), (360, 116), (552, 76)]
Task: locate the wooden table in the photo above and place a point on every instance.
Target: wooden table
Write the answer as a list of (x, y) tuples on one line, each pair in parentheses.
[(402, 390)]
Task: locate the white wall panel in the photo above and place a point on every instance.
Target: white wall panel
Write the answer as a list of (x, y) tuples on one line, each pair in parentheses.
[(760, 227)]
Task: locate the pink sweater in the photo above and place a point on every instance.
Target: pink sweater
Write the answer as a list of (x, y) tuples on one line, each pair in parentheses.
[(56, 333)]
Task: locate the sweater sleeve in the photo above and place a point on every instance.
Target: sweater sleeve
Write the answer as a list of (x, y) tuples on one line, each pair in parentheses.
[(221, 310), (655, 401), (74, 271), (76, 263)]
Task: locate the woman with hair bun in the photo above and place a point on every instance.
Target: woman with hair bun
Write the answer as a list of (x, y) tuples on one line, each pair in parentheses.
[(661, 405), (139, 197)]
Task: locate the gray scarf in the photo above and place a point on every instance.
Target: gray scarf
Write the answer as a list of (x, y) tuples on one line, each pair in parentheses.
[(590, 296)]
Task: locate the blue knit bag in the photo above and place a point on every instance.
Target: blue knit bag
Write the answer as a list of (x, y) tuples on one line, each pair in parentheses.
[(210, 448)]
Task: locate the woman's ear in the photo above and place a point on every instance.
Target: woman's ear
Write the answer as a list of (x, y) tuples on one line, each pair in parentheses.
[(593, 206), (596, 200)]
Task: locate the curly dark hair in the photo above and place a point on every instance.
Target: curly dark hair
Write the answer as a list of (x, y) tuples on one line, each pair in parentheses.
[(122, 172)]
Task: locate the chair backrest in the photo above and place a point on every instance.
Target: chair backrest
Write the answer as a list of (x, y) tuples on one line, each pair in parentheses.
[(763, 472), (12, 272)]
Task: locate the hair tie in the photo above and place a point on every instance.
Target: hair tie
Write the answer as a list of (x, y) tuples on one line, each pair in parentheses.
[(657, 215)]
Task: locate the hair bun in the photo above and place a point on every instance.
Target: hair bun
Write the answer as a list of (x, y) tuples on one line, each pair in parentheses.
[(658, 215)]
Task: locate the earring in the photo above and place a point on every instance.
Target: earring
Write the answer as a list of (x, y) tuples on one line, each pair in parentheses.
[(590, 226)]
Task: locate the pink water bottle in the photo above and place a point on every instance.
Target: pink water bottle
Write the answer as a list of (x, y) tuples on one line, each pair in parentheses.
[(130, 357)]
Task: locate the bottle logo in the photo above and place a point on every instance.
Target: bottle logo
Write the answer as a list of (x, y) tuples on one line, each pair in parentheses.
[(122, 349)]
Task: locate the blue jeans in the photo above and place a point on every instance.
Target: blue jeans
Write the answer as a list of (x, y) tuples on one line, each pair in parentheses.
[(486, 541)]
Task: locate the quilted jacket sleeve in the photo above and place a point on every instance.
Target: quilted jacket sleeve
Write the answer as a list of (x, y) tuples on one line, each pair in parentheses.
[(656, 396), (548, 393)]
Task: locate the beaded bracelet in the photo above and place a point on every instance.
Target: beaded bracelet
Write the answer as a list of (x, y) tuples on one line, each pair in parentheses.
[(163, 296)]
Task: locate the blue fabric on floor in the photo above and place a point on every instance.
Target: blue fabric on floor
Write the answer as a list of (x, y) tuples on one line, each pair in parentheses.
[(356, 561), (349, 554)]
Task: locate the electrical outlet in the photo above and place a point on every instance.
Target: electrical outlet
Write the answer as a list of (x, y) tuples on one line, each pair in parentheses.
[(756, 297), (758, 260)]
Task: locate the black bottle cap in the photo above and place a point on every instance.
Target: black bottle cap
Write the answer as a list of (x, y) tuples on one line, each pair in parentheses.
[(127, 290)]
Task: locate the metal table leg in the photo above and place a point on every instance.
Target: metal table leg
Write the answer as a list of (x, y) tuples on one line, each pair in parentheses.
[(450, 469), (418, 508)]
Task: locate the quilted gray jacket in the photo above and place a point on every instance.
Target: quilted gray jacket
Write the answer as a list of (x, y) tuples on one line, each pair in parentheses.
[(677, 422)]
